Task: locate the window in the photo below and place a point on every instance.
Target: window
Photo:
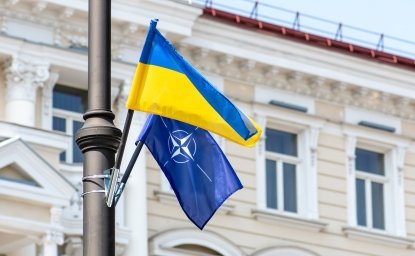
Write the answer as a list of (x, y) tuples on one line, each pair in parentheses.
[(281, 170), (375, 183), (286, 168), (370, 181), (69, 104)]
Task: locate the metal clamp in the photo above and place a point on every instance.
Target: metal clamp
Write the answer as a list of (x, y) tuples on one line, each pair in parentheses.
[(92, 178), (112, 186), (93, 191)]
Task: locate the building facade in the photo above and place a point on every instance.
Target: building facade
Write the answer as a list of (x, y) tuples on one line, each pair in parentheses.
[(333, 173)]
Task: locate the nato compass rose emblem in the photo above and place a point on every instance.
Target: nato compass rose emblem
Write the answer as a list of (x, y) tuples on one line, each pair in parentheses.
[(182, 148)]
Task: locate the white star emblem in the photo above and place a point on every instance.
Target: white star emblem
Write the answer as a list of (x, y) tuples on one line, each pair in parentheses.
[(182, 148)]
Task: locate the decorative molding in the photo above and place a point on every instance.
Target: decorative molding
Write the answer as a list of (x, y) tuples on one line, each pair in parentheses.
[(39, 7), (284, 250), (67, 13), (11, 2), (53, 237), (289, 221), (165, 243), (350, 147), (47, 92), (24, 76), (314, 132), (129, 35), (73, 246), (377, 237), (56, 215)]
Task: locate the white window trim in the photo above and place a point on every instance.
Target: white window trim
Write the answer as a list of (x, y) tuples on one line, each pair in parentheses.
[(394, 150), (308, 128)]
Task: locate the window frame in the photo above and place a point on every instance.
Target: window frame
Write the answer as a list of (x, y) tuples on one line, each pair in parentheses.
[(393, 147), (307, 128), (70, 117), (368, 178), (280, 159)]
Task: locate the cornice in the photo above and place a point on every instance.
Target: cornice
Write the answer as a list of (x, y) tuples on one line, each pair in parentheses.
[(70, 31), (253, 73)]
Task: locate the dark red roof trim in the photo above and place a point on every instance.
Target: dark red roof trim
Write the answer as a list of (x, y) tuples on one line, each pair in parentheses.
[(311, 39)]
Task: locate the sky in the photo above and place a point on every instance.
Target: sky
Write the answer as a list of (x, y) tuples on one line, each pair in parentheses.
[(394, 18)]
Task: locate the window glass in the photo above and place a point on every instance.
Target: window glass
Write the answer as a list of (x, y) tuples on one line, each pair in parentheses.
[(290, 188), (69, 104), (70, 99), (369, 161), (77, 154), (281, 142), (59, 124), (361, 202), (378, 206), (271, 184)]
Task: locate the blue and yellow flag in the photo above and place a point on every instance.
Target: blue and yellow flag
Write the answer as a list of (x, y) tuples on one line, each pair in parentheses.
[(166, 84), (198, 171)]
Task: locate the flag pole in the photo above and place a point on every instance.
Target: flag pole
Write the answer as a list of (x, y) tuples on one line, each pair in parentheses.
[(114, 187), (113, 181), (124, 137), (98, 138), (127, 172)]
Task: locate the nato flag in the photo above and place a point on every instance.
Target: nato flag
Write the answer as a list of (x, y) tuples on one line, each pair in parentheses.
[(198, 171)]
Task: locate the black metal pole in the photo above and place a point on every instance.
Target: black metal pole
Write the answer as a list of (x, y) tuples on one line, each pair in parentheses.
[(98, 138)]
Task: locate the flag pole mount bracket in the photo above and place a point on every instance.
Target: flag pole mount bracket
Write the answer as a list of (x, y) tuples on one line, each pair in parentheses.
[(111, 185), (107, 177)]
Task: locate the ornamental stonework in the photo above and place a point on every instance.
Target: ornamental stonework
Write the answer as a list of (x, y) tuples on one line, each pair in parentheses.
[(24, 76)]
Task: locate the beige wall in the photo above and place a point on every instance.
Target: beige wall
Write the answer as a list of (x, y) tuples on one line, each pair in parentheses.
[(409, 174), (24, 210), (250, 234)]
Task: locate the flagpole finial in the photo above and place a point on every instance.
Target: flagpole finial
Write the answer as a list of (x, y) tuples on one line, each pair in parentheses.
[(153, 22)]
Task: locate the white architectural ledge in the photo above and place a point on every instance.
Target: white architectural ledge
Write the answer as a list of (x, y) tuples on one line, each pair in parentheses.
[(290, 221), (377, 237), (170, 197)]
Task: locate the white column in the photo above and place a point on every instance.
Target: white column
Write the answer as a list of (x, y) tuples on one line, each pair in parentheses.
[(23, 78), (50, 243), (135, 194), (54, 237)]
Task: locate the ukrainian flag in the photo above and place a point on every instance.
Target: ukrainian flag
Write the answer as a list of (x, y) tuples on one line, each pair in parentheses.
[(167, 85)]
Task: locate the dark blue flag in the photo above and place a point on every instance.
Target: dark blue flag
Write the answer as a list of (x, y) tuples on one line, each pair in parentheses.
[(198, 171)]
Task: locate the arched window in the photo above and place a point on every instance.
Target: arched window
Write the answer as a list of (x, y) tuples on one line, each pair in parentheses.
[(181, 242), (284, 251)]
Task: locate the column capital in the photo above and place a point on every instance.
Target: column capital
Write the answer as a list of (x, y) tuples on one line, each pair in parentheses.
[(53, 237), (24, 76)]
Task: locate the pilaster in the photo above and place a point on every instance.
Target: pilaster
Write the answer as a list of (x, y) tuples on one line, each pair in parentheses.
[(47, 91)]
